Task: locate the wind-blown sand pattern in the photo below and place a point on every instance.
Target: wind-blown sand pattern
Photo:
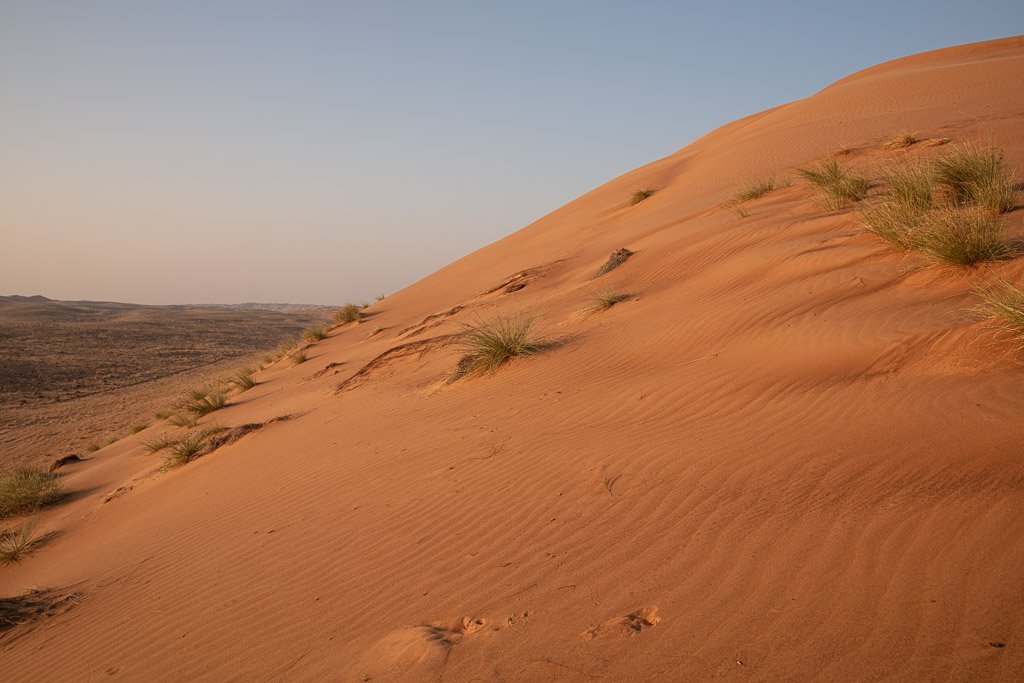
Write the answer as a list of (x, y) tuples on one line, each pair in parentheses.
[(790, 454)]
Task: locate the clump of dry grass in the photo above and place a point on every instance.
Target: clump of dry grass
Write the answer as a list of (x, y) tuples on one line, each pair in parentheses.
[(754, 189), (602, 301), (160, 443), (139, 426), (894, 221), (962, 236), (25, 489), (315, 333), (15, 544), (489, 344), (185, 449), (1003, 305), (201, 402), (976, 175), (182, 419), (349, 313), (299, 357), (836, 186), (900, 140), (640, 195), (243, 379)]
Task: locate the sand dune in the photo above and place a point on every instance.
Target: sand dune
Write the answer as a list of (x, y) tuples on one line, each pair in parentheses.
[(789, 454)]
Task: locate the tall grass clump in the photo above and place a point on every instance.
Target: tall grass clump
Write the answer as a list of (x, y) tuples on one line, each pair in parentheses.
[(25, 489), (349, 313), (299, 357), (315, 333), (1003, 305), (488, 344), (640, 195), (14, 544), (894, 221), (836, 186), (973, 174), (962, 236)]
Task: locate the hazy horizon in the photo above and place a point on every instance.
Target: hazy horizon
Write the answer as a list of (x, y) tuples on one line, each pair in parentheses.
[(318, 152)]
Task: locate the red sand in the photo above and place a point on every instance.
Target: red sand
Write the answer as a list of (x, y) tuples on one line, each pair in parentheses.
[(790, 455)]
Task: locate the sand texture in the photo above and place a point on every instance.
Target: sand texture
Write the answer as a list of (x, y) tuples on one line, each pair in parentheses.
[(791, 453)]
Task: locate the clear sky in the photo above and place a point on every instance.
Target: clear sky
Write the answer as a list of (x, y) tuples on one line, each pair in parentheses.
[(315, 152)]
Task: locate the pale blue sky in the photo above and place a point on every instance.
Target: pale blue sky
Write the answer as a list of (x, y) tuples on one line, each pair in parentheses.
[(169, 152)]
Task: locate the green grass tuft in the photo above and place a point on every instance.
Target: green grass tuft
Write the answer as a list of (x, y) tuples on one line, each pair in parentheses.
[(487, 345), (836, 186), (25, 489), (962, 236), (640, 195)]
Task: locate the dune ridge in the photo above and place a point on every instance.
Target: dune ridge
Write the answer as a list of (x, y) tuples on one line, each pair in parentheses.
[(790, 453)]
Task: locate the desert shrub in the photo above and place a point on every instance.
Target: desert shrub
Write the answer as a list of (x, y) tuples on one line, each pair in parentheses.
[(299, 357), (488, 344), (962, 236), (24, 489), (911, 184), (349, 313), (1003, 305), (972, 174), (14, 544), (139, 426), (836, 186), (160, 443), (314, 333), (640, 195)]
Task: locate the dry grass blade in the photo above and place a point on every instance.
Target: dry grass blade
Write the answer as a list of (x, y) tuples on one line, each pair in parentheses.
[(243, 379)]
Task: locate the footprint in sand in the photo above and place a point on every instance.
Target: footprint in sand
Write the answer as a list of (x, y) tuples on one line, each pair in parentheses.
[(625, 627), (414, 652)]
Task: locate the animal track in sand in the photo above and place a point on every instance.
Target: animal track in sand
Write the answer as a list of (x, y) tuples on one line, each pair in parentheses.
[(625, 627)]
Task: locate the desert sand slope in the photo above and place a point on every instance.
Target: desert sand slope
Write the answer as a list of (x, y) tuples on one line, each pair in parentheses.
[(790, 455)]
